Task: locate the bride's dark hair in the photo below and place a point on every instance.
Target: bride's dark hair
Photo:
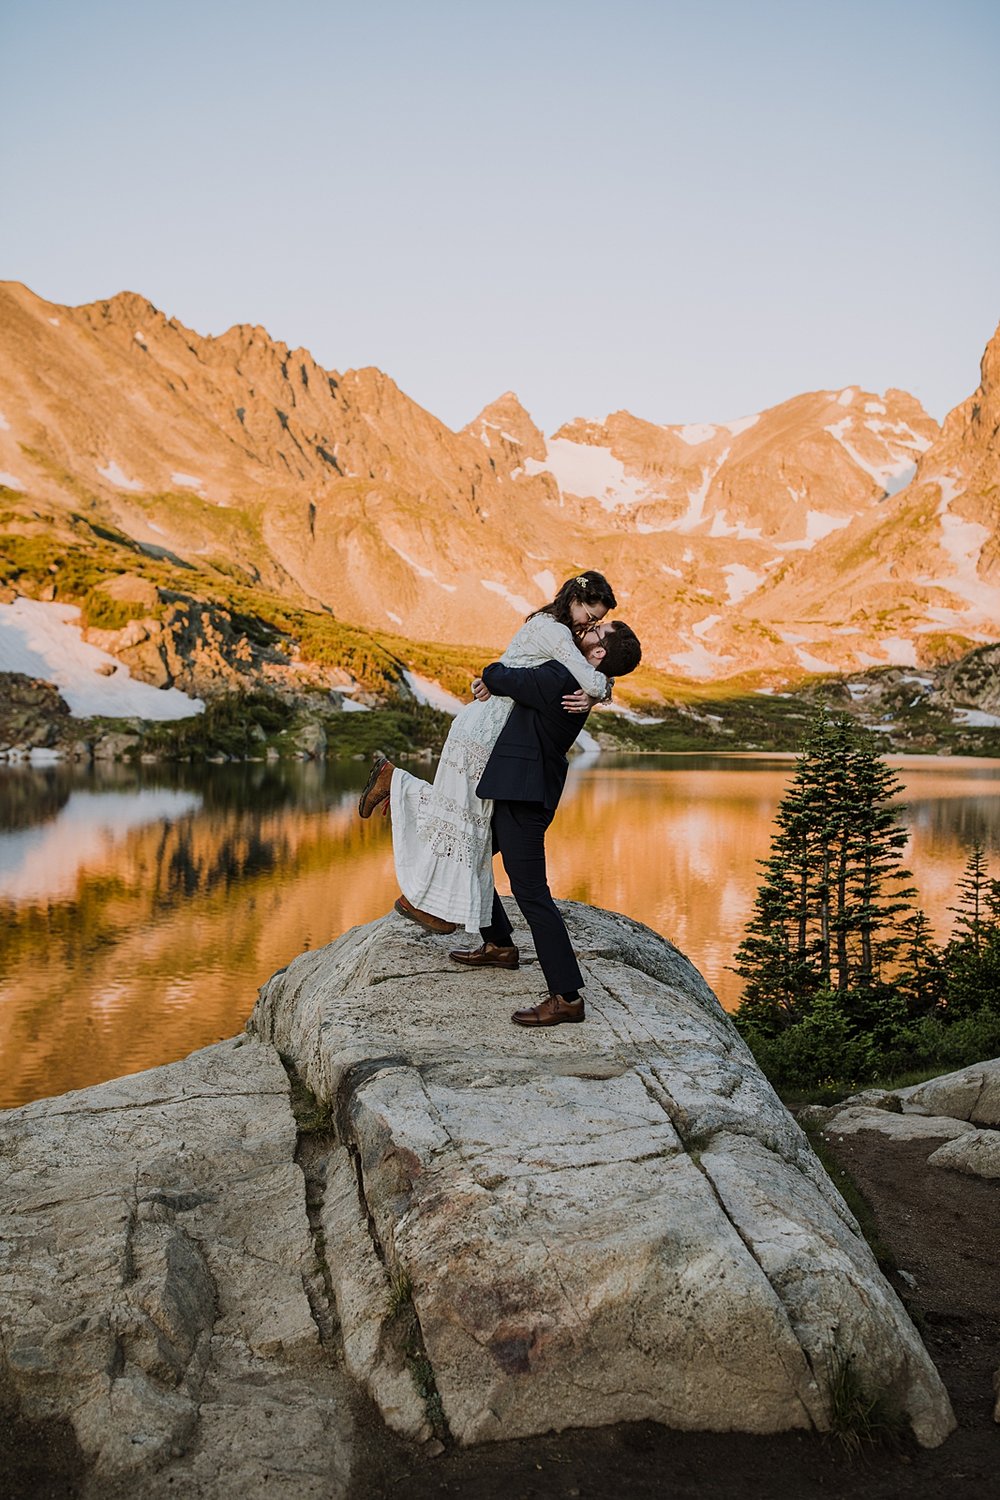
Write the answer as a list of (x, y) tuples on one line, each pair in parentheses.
[(582, 588)]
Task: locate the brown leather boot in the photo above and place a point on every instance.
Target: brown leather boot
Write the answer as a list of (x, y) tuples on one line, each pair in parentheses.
[(553, 1011), (377, 787), (489, 956), (433, 924)]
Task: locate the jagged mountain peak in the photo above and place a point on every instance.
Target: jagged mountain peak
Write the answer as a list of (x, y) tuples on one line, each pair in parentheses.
[(788, 539), (505, 425)]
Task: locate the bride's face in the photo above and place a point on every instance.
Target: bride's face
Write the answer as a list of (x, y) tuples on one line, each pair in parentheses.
[(587, 639), (584, 615)]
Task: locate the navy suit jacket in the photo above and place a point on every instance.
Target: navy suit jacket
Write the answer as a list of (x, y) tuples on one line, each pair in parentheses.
[(528, 762)]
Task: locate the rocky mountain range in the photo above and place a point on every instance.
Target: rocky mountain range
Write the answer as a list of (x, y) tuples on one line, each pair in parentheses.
[(838, 531)]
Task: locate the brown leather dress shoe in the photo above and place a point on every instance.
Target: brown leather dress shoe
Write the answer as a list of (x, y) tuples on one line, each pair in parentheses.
[(553, 1011), (489, 956), (433, 924), (377, 787)]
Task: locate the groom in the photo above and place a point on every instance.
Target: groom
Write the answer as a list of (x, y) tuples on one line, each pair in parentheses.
[(524, 777)]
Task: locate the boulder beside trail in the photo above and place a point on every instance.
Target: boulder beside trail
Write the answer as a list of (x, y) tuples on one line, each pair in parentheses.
[(975, 1152), (971, 1094), (594, 1223), (851, 1118)]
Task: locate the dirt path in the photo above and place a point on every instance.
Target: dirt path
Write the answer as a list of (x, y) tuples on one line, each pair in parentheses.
[(943, 1228)]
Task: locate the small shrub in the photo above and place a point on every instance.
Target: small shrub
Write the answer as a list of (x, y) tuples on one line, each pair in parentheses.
[(101, 612), (857, 1417), (399, 1297)]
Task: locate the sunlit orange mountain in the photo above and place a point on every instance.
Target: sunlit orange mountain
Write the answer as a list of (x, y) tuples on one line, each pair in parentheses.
[(838, 529)]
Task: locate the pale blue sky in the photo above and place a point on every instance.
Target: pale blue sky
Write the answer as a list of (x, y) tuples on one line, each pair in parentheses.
[(691, 210)]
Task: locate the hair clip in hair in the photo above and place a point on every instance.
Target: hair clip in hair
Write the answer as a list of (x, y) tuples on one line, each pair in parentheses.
[(582, 580)]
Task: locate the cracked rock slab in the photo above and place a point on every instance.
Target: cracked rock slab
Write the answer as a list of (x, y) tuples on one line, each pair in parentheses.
[(971, 1093), (154, 1249), (597, 1223), (908, 1127), (977, 1153)]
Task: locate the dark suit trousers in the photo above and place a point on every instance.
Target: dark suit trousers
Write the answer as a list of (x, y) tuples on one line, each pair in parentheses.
[(519, 834)]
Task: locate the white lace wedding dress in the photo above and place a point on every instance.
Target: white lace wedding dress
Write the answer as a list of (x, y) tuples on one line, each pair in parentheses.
[(441, 837)]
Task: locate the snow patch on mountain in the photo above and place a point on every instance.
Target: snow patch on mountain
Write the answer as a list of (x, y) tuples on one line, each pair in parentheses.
[(975, 718), (431, 693), (589, 471), (721, 527), (818, 525), (695, 433), (546, 581), (699, 661), (893, 473), (741, 581), (742, 424), (898, 651), (419, 569), (962, 542), (813, 663), (516, 601), (901, 430), (11, 481), (115, 475), (187, 481), (43, 640), (695, 513), (4, 424)]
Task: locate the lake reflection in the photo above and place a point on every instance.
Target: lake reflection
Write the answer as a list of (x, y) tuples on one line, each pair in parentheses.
[(140, 909)]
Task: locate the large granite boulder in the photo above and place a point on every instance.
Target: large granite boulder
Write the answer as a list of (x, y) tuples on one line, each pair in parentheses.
[(493, 1232), (975, 1152), (971, 1094), (586, 1225), (159, 1286)]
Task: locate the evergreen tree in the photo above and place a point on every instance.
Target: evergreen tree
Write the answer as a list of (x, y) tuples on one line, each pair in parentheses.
[(922, 977), (974, 890), (827, 917), (972, 957)]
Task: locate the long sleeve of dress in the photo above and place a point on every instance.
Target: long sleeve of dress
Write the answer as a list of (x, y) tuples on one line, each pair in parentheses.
[(555, 642)]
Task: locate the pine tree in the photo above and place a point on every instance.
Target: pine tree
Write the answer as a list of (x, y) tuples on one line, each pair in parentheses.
[(830, 915), (974, 891), (922, 978), (972, 957), (769, 958)]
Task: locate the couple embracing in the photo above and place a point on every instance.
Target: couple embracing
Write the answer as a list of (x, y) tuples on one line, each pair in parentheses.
[(497, 786)]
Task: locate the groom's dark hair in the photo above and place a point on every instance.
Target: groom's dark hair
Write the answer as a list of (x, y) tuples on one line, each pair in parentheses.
[(622, 651)]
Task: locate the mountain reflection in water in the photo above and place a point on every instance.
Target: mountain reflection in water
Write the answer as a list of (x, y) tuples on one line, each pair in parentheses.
[(141, 908)]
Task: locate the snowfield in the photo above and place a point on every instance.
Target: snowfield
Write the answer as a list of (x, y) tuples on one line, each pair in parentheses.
[(43, 640)]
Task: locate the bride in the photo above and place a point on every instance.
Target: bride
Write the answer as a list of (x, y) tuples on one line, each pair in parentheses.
[(441, 836)]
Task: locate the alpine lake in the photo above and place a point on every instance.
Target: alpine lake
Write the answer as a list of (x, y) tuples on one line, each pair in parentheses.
[(141, 907)]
